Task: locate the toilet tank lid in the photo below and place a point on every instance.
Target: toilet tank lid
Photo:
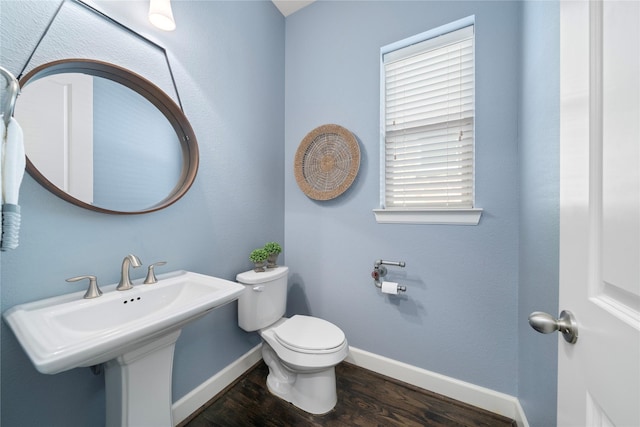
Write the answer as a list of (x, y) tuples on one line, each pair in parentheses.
[(252, 278)]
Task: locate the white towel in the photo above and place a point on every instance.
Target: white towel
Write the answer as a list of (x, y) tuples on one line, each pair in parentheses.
[(13, 162), (3, 133)]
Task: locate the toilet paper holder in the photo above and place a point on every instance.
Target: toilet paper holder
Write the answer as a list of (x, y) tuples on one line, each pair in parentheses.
[(380, 271)]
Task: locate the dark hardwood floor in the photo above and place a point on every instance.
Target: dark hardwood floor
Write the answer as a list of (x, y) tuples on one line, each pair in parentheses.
[(365, 398)]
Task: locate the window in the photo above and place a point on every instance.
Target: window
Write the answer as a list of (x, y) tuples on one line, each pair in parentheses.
[(427, 121)]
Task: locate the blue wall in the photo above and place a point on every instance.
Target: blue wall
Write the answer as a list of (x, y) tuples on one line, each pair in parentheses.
[(253, 84), (228, 58), (459, 314), (539, 126)]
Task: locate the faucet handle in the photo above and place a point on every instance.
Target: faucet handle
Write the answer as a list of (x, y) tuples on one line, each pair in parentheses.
[(151, 276), (93, 291)]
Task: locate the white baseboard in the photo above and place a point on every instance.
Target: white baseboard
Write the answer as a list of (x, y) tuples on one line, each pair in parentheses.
[(472, 394), (200, 395)]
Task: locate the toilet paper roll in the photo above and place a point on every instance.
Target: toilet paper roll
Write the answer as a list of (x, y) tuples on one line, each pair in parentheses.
[(390, 288)]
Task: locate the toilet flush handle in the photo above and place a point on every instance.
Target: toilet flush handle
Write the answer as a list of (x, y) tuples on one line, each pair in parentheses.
[(259, 288)]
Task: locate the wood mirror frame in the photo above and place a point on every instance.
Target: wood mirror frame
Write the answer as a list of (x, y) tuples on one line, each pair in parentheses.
[(137, 83)]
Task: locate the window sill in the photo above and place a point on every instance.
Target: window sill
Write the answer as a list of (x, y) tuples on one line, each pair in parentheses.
[(428, 216)]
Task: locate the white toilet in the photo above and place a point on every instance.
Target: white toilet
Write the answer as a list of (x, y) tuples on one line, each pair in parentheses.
[(301, 352)]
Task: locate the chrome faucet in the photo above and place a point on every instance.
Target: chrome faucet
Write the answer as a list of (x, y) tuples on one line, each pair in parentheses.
[(125, 282)]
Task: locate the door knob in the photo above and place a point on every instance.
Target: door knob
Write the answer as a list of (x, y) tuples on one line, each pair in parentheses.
[(546, 323)]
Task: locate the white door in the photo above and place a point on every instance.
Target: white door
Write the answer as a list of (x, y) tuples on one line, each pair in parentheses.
[(599, 375), (56, 115)]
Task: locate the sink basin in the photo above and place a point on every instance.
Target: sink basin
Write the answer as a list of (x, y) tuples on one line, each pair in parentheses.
[(68, 331)]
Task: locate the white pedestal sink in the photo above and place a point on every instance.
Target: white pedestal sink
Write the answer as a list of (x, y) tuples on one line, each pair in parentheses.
[(133, 332)]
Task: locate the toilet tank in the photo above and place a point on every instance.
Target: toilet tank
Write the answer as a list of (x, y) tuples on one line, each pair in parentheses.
[(264, 299)]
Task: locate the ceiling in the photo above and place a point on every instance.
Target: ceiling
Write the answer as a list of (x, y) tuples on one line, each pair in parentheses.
[(287, 7)]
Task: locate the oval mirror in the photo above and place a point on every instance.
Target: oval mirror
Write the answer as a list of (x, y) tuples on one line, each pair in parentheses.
[(104, 138)]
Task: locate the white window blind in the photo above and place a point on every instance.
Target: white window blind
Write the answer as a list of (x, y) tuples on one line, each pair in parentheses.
[(429, 123)]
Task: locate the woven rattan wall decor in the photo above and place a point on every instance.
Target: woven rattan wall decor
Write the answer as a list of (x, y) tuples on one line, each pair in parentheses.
[(327, 162)]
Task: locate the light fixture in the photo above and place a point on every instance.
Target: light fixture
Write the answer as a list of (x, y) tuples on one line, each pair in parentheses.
[(161, 15)]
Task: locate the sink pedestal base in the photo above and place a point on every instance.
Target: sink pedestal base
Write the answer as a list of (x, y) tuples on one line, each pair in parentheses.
[(138, 385)]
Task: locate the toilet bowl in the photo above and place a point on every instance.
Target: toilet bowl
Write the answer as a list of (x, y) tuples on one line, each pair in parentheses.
[(301, 352)]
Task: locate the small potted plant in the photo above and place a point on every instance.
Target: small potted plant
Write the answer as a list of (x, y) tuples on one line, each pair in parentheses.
[(259, 258), (273, 249)]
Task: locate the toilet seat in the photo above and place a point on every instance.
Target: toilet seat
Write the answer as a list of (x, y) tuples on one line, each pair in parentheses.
[(301, 359), (306, 334)]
